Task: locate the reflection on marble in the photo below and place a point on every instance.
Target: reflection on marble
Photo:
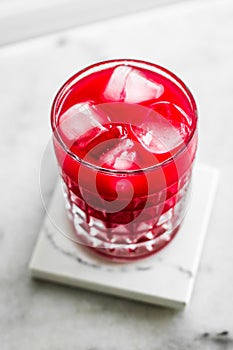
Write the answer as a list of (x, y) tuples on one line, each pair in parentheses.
[(195, 41)]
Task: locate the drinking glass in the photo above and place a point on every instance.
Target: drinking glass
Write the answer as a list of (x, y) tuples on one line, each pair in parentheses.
[(125, 138)]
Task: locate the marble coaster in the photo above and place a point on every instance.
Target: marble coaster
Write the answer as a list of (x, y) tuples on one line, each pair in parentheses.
[(165, 278)]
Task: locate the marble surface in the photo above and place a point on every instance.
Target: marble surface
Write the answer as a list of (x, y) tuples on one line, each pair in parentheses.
[(195, 41), (24, 19)]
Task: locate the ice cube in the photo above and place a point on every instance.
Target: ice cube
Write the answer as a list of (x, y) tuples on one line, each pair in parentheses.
[(79, 119), (139, 88), (124, 160), (115, 89), (176, 115), (129, 85), (120, 157), (157, 134)]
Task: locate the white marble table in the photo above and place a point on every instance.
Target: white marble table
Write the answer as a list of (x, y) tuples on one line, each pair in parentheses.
[(192, 39)]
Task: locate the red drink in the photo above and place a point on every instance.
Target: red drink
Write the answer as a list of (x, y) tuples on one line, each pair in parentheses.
[(125, 139)]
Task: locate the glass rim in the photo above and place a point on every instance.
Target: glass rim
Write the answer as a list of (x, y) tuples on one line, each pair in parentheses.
[(93, 68)]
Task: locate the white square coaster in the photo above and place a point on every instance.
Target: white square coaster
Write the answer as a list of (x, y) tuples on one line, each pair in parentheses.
[(165, 278)]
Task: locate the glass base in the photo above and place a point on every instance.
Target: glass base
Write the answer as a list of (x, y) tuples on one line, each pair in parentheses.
[(137, 239), (131, 252)]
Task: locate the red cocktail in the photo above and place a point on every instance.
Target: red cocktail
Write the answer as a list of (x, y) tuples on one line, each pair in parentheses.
[(125, 140)]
